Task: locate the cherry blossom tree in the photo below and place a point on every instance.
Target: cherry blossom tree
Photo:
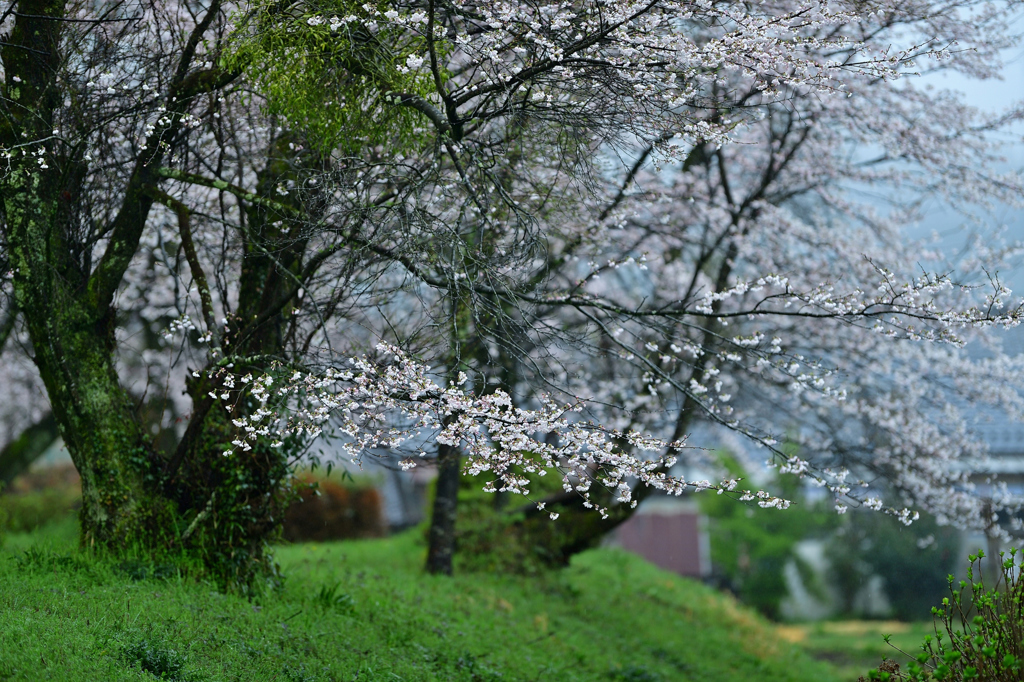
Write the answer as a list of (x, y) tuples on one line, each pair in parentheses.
[(218, 211), (822, 350)]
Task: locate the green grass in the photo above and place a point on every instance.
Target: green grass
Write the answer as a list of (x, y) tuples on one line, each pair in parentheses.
[(363, 610), (854, 647)]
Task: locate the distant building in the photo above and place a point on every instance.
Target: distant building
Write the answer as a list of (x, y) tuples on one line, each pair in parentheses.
[(671, 533)]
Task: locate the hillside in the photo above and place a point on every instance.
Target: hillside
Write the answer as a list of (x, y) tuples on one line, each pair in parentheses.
[(364, 611)]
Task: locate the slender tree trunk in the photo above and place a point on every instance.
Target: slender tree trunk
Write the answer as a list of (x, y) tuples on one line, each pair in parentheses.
[(441, 541), (441, 537)]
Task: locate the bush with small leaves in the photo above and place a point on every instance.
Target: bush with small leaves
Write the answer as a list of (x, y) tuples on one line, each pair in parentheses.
[(979, 631)]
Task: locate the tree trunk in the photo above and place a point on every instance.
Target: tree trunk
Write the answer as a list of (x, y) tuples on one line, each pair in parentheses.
[(441, 541), (73, 348), (236, 504), (223, 509), (96, 418)]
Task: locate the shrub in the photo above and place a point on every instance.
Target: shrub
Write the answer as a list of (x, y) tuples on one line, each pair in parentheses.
[(329, 510), (979, 632)]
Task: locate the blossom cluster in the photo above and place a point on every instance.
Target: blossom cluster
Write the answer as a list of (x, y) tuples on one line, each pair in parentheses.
[(494, 435)]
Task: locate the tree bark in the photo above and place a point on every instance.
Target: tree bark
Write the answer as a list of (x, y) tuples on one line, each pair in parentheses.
[(69, 315), (95, 416), (441, 541), (73, 346)]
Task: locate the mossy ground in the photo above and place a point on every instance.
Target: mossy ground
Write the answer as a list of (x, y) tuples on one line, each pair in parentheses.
[(364, 610)]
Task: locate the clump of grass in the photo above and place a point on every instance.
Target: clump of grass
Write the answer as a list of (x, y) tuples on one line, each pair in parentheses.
[(634, 673), (154, 657), (45, 560), (330, 599)]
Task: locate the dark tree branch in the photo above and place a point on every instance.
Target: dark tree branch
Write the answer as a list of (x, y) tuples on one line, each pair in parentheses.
[(185, 230), (127, 226), (18, 455)]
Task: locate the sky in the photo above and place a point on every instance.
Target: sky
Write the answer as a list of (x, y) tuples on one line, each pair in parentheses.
[(990, 96)]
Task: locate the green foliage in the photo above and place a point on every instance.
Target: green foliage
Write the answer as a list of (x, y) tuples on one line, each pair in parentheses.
[(979, 630), (338, 85), (913, 561), (330, 599), (751, 546), (228, 509), (495, 533), (609, 614), (155, 657)]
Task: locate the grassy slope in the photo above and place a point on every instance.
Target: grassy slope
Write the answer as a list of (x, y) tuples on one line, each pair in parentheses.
[(610, 617)]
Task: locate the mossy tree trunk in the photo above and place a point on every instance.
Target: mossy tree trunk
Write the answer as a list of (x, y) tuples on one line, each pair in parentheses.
[(73, 344), (66, 313), (65, 300), (237, 503)]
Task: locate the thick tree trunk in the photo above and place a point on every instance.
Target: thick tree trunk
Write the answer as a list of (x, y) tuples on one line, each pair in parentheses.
[(71, 334), (74, 350), (441, 541), (222, 509), (96, 418)]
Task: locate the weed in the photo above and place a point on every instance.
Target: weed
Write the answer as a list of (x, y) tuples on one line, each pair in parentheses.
[(153, 657), (329, 599)]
